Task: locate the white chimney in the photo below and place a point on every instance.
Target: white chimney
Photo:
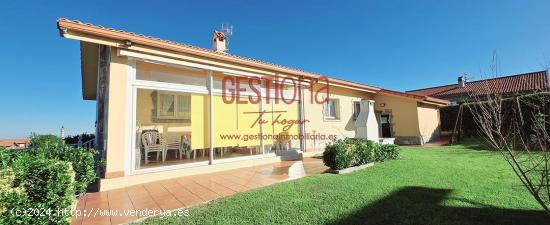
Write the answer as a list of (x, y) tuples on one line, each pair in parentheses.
[(62, 133), (462, 80), (366, 124), (219, 42)]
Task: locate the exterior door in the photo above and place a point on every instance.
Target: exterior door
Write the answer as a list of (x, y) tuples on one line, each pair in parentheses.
[(385, 123)]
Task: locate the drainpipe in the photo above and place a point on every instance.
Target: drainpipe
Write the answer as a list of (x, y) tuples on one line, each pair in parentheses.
[(210, 87), (302, 118), (262, 125)]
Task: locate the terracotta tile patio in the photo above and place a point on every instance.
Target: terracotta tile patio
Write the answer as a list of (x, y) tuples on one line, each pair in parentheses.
[(188, 191)]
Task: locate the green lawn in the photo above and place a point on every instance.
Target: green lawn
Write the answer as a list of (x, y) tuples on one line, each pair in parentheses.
[(437, 185)]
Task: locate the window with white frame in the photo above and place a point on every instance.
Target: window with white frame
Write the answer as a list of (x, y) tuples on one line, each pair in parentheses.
[(332, 109), (356, 109), (173, 106)]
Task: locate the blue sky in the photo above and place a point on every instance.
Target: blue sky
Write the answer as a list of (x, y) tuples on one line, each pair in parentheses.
[(398, 45)]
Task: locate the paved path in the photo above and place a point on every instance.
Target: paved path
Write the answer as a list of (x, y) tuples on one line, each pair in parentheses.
[(187, 191)]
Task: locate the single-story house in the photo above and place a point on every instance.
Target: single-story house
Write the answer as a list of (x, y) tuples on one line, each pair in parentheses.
[(20, 143), (507, 86), (166, 109)]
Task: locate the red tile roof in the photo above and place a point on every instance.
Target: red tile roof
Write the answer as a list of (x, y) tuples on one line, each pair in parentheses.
[(508, 85), (13, 142), (121, 35), (416, 96), (76, 26), (432, 91)]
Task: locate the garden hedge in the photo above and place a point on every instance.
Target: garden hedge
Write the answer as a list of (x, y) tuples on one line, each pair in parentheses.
[(82, 159), (386, 152), (46, 177), (35, 189), (353, 152)]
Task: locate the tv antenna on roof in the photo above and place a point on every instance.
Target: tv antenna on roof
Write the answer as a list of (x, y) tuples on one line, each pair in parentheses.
[(227, 30)]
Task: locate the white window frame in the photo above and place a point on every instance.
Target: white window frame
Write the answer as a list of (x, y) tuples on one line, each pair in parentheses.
[(176, 116), (134, 84), (326, 108)]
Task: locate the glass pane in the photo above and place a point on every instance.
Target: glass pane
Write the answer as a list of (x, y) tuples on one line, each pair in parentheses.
[(236, 131), (163, 140), (285, 128), (184, 106), (166, 105), (241, 128), (357, 109), (327, 109), (332, 105), (169, 74)]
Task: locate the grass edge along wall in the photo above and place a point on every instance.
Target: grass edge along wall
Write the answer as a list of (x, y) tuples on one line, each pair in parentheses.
[(112, 75)]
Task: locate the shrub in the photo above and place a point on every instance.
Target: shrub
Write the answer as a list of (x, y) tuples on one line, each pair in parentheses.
[(82, 159), (5, 158), (11, 196), (365, 151), (36, 182), (385, 152), (43, 178), (45, 141), (338, 155), (82, 137), (349, 152)]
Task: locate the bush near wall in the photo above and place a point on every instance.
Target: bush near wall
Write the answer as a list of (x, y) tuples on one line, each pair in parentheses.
[(33, 188), (45, 177), (339, 155), (353, 152), (386, 152), (82, 159)]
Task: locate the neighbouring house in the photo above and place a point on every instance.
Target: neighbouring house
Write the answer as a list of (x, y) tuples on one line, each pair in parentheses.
[(166, 109), (20, 143), (508, 86)]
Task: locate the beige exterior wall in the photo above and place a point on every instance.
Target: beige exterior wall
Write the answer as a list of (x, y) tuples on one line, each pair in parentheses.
[(117, 115), (412, 122), (404, 114), (408, 119), (428, 119), (342, 127)]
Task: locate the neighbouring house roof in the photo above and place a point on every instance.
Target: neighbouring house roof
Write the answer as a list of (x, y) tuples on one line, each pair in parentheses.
[(507, 85), (9, 143), (66, 25), (424, 98), (5, 143)]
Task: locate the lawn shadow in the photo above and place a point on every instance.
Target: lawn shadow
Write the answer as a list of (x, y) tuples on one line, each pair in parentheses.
[(421, 205), (473, 143)]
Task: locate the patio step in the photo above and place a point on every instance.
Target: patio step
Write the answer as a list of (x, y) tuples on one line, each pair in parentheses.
[(387, 140)]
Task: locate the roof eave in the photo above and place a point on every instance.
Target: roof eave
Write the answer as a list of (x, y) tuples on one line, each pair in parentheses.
[(436, 101), (419, 98), (67, 27)]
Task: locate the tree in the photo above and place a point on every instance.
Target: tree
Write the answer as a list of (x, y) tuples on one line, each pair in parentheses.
[(519, 130)]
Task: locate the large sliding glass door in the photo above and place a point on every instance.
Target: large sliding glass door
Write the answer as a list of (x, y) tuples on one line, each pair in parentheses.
[(171, 128), (172, 115), (235, 134)]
